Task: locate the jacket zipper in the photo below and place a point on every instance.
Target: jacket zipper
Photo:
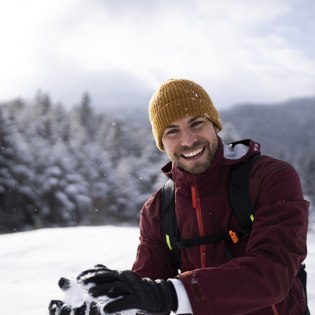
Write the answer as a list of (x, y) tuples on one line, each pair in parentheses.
[(197, 207), (274, 309)]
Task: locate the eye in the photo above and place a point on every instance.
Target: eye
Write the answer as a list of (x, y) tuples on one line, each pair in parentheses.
[(172, 131), (196, 123)]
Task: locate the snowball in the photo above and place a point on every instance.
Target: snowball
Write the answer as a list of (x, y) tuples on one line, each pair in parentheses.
[(77, 294)]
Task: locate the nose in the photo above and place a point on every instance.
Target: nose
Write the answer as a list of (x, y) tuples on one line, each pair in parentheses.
[(188, 138)]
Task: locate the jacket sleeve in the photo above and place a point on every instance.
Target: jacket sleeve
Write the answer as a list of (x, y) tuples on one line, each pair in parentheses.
[(274, 252), (152, 256)]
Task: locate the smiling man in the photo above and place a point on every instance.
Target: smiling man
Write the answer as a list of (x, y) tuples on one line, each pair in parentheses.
[(256, 272)]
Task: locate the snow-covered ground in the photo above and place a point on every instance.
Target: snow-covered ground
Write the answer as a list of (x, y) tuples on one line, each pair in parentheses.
[(32, 262)]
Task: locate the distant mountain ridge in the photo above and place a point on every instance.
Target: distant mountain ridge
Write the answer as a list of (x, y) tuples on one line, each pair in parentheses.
[(290, 123), (282, 129)]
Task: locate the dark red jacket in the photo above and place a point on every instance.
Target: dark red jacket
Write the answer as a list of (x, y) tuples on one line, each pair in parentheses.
[(261, 279)]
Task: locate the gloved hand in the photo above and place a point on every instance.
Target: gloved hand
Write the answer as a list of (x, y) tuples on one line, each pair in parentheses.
[(57, 307), (130, 290)]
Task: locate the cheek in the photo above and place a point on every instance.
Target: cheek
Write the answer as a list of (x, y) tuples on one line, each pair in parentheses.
[(170, 148), (167, 145)]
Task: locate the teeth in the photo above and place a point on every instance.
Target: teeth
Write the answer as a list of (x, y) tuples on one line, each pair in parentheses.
[(193, 153)]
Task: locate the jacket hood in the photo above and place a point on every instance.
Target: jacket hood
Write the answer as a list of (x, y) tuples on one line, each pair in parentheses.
[(227, 154), (238, 151)]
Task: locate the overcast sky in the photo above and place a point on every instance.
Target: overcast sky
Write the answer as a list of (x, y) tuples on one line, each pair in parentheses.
[(120, 50)]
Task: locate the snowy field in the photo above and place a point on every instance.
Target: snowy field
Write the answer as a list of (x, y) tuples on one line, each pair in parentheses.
[(32, 262)]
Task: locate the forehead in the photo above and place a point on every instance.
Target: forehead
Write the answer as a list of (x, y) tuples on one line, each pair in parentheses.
[(183, 121)]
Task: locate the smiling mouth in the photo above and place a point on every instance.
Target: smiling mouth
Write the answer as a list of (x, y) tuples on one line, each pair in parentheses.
[(193, 154)]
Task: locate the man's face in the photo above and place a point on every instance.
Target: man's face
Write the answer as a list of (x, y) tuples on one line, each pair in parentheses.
[(191, 143)]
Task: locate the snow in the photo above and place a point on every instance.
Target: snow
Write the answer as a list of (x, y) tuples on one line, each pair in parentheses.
[(32, 262)]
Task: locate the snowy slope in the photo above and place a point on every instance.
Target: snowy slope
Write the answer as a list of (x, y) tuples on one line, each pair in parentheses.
[(32, 262)]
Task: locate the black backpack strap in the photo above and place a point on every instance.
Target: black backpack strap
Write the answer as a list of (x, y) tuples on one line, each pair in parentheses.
[(207, 239), (169, 226), (239, 192), (303, 277)]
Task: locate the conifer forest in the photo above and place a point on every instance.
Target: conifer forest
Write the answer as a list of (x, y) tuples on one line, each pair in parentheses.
[(81, 166)]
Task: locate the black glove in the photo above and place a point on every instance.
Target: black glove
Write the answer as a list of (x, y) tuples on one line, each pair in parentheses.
[(131, 291), (58, 307)]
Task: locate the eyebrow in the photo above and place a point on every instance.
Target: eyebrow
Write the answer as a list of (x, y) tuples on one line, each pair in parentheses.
[(191, 120)]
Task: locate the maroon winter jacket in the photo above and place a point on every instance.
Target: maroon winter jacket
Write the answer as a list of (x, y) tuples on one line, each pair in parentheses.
[(261, 278)]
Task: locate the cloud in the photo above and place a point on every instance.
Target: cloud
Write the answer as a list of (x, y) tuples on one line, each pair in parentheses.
[(249, 48)]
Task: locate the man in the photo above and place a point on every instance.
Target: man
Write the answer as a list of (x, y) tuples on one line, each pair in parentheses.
[(258, 275)]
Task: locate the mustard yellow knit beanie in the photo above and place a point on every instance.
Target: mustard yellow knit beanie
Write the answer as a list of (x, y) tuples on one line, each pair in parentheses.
[(176, 99)]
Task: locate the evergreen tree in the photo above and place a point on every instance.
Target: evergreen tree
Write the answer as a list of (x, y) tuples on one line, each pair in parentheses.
[(63, 167)]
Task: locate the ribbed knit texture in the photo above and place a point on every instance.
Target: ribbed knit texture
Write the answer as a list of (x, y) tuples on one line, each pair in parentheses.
[(176, 99)]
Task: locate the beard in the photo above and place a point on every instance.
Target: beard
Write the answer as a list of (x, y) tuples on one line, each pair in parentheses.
[(199, 166)]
